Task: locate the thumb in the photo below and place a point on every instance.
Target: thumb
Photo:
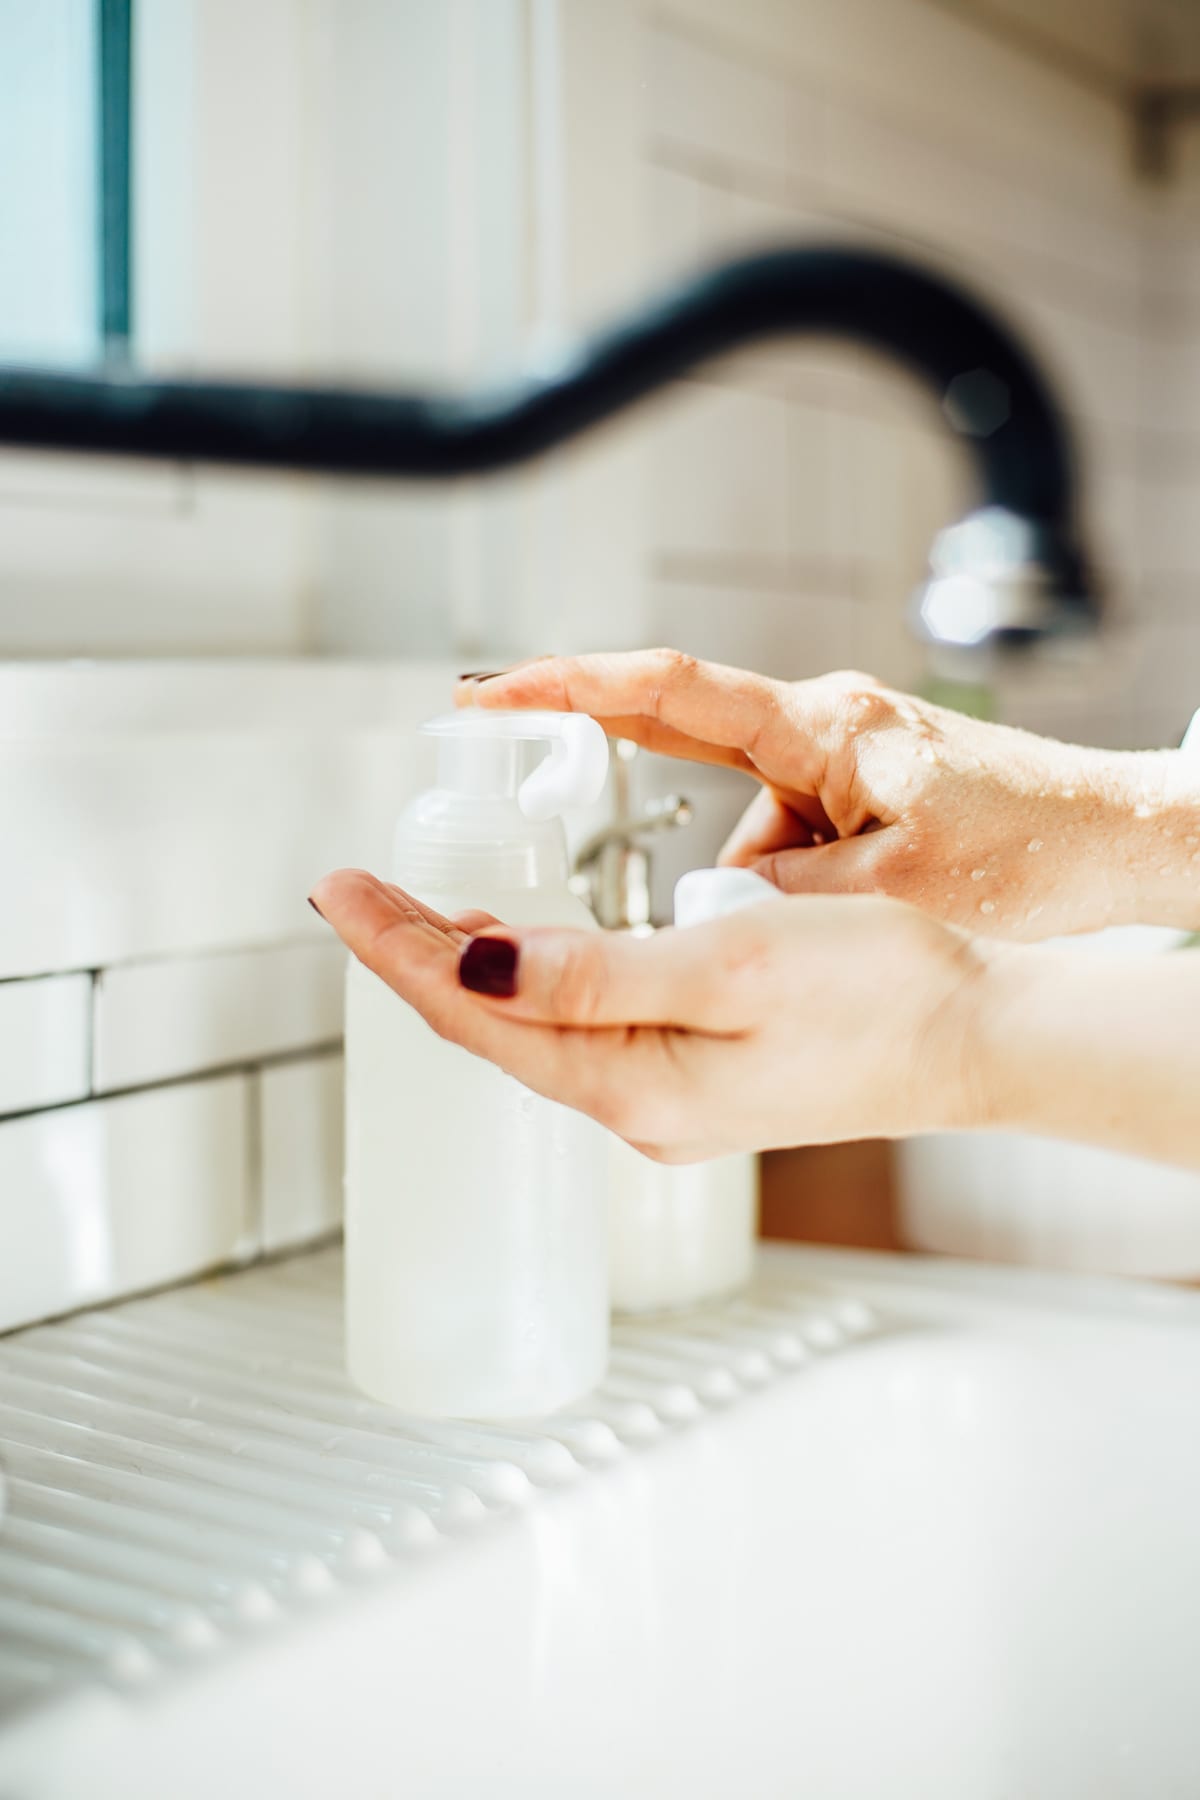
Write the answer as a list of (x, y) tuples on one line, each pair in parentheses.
[(853, 865)]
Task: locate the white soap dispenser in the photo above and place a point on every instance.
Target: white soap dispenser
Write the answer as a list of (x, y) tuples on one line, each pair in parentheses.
[(476, 1254), (683, 1233)]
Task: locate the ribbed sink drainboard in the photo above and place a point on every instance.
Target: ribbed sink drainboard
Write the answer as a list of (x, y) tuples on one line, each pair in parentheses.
[(193, 1466)]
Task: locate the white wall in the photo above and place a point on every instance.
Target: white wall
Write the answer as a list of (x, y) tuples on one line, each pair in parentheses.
[(405, 192), (1169, 590), (792, 494), (319, 195)]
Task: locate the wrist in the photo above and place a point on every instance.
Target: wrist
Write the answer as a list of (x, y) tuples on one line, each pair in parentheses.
[(1002, 1071), (1152, 804), (1070, 1045), (961, 1074)]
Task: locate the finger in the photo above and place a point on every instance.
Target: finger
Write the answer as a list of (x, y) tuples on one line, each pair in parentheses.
[(626, 1079), (651, 734), (367, 913), (708, 702), (665, 740), (851, 866), (473, 920), (468, 686), (457, 929), (768, 824), (710, 978)]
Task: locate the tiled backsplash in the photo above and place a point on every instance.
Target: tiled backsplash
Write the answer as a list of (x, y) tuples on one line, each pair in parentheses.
[(169, 1068), (153, 1021), (111, 1172), (175, 1103), (796, 490)]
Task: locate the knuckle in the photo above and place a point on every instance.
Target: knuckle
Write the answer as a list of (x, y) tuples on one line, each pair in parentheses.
[(867, 708), (670, 669), (674, 664)]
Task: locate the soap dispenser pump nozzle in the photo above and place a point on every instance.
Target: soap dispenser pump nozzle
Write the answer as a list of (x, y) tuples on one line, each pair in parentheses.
[(477, 754)]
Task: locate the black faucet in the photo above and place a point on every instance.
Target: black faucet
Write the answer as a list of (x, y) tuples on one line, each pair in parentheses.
[(1012, 572)]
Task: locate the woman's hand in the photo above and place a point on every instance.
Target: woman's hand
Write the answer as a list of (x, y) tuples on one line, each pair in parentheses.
[(870, 791), (795, 1021)]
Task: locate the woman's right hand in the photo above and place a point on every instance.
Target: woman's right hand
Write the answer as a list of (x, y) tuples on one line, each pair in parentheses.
[(866, 790)]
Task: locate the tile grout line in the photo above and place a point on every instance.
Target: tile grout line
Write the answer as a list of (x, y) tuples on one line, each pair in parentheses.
[(325, 1049)]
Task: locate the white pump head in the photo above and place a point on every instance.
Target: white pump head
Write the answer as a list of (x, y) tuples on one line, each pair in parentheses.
[(477, 754)]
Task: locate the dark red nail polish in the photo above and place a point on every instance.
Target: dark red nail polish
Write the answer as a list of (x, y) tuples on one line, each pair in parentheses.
[(315, 907), (481, 674), (488, 965)]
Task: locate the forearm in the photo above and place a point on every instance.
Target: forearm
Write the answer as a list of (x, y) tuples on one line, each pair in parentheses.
[(1103, 1051)]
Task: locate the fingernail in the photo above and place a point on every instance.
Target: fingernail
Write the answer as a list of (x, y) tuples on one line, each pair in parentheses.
[(488, 965), (315, 907), (481, 674)]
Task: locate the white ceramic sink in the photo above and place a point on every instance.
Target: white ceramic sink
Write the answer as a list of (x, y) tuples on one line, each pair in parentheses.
[(955, 1557)]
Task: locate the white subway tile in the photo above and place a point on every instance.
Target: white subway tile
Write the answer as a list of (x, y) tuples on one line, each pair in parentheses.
[(723, 109), (162, 810), (882, 169), (45, 1036), (1162, 688), (1171, 372), (679, 214), (1170, 539), (718, 463), (1096, 366), (115, 1195), (867, 522), (1114, 501), (178, 1015), (937, 487), (301, 1159), (810, 475), (788, 632)]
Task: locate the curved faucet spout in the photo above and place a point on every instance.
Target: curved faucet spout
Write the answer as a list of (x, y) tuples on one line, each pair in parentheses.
[(1022, 546)]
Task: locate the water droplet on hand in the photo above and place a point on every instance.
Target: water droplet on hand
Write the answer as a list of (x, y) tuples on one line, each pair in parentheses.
[(1034, 844), (987, 906), (978, 874)]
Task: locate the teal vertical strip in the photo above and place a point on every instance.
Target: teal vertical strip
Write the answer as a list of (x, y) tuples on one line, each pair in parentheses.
[(115, 69)]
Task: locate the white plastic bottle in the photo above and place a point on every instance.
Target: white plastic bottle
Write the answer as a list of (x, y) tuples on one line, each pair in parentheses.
[(476, 1255), (679, 1234)]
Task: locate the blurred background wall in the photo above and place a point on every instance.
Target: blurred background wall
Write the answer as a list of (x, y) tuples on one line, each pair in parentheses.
[(427, 193)]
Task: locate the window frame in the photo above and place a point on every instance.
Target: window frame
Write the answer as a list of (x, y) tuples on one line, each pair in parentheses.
[(114, 175)]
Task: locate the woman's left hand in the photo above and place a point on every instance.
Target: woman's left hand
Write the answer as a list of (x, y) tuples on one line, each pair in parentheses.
[(807, 1019)]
